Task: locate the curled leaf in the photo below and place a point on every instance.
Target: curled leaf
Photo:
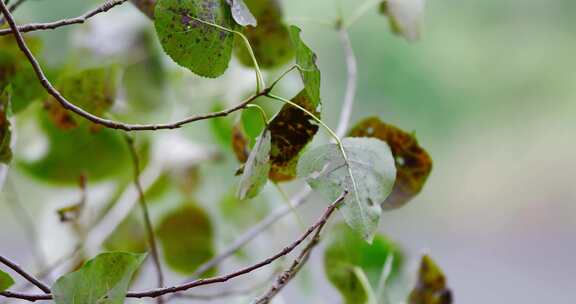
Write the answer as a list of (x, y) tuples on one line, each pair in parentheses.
[(270, 39), (256, 169), (186, 37), (241, 13), (413, 163), (306, 60), (292, 130), (431, 287), (368, 175), (186, 236), (102, 280)]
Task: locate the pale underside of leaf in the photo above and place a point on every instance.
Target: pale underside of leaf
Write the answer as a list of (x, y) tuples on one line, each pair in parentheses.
[(257, 167), (405, 17), (241, 13), (368, 176)]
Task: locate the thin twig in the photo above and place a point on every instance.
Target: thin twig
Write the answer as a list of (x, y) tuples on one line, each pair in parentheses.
[(146, 215), (351, 82), (154, 293), (104, 7), (24, 274), (12, 8), (99, 120)]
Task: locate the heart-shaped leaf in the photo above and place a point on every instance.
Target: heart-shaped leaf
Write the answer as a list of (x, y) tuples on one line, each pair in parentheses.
[(241, 13), (413, 164), (6, 281), (102, 280), (368, 175), (255, 174), (189, 40), (306, 60), (431, 287)]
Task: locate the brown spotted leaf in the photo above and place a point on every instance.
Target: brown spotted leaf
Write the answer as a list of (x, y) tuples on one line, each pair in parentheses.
[(270, 39), (431, 287), (292, 130), (188, 35), (412, 162)]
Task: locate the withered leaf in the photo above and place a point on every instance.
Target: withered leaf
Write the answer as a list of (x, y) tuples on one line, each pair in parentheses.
[(292, 130), (412, 162), (431, 287)]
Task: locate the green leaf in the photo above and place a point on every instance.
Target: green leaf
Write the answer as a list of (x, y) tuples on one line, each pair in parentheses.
[(257, 167), (98, 154), (368, 176), (413, 164), (270, 40), (221, 127), (241, 13), (306, 60), (102, 280), (292, 130), (241, 214), (129, 236), (431, 287), (405, 17), (186, 236), (347, 252), (6, 281), (5, 131), (202, 48)]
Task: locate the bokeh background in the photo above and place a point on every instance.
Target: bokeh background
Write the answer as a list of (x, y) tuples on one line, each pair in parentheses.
[(490, 92)]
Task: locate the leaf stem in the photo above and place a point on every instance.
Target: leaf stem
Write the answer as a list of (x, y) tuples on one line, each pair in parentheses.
[(261, 111), (359, 12)]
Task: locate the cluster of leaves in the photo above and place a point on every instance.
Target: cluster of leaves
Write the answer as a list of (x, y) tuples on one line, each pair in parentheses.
[(379, 166)]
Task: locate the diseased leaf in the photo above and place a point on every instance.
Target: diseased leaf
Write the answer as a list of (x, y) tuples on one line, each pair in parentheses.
[(98, 154), (102, 280), (202, 48), (431, 287), (405, 17), (368, 177), (187, 238), (240, 142), (255, 174), (306, 60), (241, 13), (94, 90), (6, 281), (347, 251), (413, 164), (292, 130), (270, 40)]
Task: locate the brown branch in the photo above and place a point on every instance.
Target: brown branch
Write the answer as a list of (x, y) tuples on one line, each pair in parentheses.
[(94, 118), (146, 215), (23, 273), (154, 293), (12, 8), (104, 7)]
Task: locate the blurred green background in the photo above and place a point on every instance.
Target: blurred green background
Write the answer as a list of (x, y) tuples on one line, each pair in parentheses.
[(490, 91)]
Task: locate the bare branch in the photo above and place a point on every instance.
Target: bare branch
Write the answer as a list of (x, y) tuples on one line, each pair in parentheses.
[(351, 82), (145, 214), (104, 7), (23, 273), (154, 293)]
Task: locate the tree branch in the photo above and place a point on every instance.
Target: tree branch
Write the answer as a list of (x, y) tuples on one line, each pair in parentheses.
[(24, 274), (104, 7), (145, 214), (351, 82), (154, 293)]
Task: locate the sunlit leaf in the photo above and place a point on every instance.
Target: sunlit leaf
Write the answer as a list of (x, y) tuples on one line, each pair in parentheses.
[(6, 281), (306, 60), (93, 90), (405, 17), (5, 131), (255, 174), (202, 48), (186, 236), (347, 251), (79, 151), (241, 13), (102, 280), (292, 130), (413, 164), (368, 176), (129, 236), (145, 6), (270, 40), (431, 287)]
